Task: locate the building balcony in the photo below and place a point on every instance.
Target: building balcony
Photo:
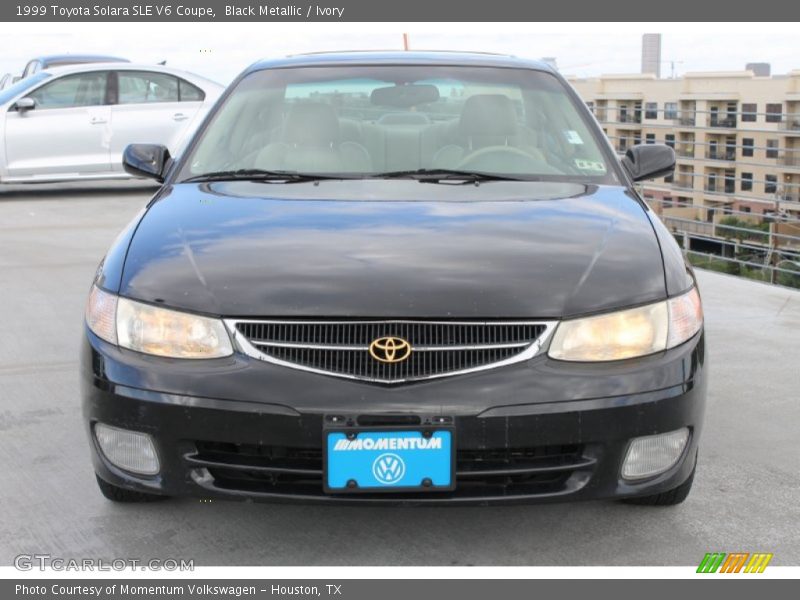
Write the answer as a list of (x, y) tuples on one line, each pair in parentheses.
[(630, 119), (725, 122), (793, 196), (686, 120), (685, 152), (791, 124), (726, 189), (682, 224), (728, 155), (789, 159), (683, 182)]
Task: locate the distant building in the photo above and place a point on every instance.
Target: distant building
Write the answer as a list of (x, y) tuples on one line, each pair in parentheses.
[(651, 54), (759, 69), (736, 136)]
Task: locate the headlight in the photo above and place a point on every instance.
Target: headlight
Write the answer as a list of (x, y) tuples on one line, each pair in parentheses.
[(629, 333), (153, 330)]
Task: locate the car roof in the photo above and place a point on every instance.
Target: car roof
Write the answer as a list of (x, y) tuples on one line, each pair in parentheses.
[(129, 66), (77, 58), (394, 57)]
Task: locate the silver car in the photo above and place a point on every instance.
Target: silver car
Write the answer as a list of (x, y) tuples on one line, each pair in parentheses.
[(62, 60), (74, 122)]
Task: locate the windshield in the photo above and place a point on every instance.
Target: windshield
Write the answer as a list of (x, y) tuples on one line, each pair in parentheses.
[(22, 85), (373, 120)]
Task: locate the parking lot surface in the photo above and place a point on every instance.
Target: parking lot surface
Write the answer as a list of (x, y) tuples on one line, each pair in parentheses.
[(746, 495)]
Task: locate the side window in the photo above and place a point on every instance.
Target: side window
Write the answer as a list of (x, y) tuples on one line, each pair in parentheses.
[(31, 68), (83, 89), (142, 87), (189, 92)]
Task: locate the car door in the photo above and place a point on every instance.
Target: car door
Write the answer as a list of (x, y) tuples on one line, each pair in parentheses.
[(151, 107), (66, 133)]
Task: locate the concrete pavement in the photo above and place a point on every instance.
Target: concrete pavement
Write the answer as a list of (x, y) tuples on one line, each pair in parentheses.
[(746, 495)]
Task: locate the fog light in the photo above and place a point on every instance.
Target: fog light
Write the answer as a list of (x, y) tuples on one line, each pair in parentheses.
[(654, 454), (129, 450)]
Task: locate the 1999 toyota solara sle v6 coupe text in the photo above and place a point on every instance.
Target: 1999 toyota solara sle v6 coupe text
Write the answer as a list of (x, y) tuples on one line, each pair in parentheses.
[(396, 278)]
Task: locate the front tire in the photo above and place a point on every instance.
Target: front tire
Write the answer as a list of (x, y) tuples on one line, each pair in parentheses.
[(119, 494)]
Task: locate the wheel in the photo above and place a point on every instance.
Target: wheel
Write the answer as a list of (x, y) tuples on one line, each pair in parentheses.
[(668, 498), (504, 159), (118, 494)]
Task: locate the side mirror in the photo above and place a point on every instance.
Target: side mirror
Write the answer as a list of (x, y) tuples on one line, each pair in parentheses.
[(146, 160), (24, 104), (648, 161)]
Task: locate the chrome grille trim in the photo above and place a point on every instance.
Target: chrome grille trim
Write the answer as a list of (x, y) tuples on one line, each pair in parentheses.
[(366, 348), (528, 349)]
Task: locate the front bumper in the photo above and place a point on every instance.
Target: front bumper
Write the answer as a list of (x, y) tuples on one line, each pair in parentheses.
[(535, 431)]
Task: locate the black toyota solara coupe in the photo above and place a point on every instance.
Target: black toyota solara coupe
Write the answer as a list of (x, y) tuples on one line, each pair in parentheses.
[(396, 278)]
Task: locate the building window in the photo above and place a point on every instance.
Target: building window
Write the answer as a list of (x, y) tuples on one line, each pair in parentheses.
[(745, 209), (651, 110), (774, 113), (771, 184), (730, 181), (747, 182), (670, 110), (730, 118), (650, 138), (590, 106), (667, 201), (772, 148), (749, 112), (669, 140), (747, 146)]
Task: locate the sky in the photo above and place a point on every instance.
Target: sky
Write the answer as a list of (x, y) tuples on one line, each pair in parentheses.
[(220, 51)]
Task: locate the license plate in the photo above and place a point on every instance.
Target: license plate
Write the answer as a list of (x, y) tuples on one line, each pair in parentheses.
[(389, 461)]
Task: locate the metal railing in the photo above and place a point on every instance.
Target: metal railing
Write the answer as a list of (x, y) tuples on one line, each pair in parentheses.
[(729, 155), (785, 273), (727, 122), (719, 189), (789, 158), (686, 120), (762, 247), (792, 124)]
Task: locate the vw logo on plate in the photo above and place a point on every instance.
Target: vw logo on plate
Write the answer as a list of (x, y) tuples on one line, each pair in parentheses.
[(388, 469)]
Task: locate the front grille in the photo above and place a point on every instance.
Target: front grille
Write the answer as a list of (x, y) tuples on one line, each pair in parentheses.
[(480, 473), (438, 349)]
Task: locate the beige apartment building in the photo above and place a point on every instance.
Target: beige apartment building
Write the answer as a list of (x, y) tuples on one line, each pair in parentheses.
[(736, 136)]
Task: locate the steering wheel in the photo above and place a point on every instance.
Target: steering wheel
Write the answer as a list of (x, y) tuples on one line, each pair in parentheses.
[(492, 157)]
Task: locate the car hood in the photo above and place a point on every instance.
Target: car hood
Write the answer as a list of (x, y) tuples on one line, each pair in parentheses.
[(396, 248)]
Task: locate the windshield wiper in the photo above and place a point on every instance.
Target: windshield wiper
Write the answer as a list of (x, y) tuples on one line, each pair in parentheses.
[(437, 175), (261, 175)]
